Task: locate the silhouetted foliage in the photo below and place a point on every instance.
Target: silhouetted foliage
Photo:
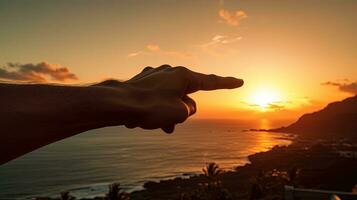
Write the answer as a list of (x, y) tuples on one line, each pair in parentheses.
[(66, 196), (211, 171), (270, 184), (257, 190), (210, 192), (212, 189), (116, 193)]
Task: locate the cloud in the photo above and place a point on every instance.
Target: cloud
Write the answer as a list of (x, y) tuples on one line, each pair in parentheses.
[(222, 39), (270, 107), (135, 54), (152, 49), (232, 18), (349, 87), (275, 107), (36, 72), (280, 105), (220, 46)]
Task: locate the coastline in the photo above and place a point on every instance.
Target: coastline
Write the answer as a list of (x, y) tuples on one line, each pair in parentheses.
[(173, 187), (315, 171), (318, 163)]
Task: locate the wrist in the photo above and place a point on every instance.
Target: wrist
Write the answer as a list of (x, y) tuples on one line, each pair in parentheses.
[(112, 106)]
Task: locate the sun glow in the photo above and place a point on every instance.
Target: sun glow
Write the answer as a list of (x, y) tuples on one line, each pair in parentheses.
[(264, 99)]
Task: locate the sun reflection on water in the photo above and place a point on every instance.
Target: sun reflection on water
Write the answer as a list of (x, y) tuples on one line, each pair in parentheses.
[(265, 124), (266, 140)]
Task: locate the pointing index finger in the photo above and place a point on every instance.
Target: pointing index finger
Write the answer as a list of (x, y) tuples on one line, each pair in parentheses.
[(212, 82)]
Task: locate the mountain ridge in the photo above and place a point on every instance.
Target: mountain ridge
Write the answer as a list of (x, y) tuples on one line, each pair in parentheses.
[(337, 119)]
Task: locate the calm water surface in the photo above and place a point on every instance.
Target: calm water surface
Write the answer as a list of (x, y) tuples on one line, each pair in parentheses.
[(87, 163)]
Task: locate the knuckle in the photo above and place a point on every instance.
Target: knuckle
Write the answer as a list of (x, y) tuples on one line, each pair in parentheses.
[(165, 66), (147, 68), (212, 76), (110, 82), (182, 70)]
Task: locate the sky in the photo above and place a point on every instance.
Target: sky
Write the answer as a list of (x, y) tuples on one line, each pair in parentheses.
[(294, 56)]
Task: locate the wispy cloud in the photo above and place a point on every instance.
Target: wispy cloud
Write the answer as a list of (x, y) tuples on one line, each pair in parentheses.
[(36, 72), (135, 54), (220, 45), (347, 86), (232, 18), (281, 105), (152, 49), (222, 39), (276, 106)]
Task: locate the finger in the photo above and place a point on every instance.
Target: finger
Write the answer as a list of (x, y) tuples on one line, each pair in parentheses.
[(169, 129), (191, 105), (200, 81)]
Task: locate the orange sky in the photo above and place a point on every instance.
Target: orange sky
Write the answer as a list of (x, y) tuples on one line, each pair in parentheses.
[(283, 50)]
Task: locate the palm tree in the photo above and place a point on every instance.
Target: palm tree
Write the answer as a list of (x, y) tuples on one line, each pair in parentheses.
[(212, 171), (115, 193), (211, 189)]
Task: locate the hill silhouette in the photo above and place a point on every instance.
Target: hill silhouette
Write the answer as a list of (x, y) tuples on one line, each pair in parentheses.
[(336, 120)]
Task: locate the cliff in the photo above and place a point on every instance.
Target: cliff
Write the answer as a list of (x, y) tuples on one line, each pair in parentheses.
[(337, 119)]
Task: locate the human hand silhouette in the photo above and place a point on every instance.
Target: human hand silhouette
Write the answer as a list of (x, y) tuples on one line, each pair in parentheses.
[(155, 98), (159, 96)]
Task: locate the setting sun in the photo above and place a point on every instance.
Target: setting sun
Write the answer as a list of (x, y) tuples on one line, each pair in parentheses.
[(264, 99)]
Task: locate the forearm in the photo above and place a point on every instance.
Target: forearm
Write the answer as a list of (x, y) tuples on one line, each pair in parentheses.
[(35, 115)]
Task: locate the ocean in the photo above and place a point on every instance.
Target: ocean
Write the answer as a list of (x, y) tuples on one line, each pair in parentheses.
[(85, 164)]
